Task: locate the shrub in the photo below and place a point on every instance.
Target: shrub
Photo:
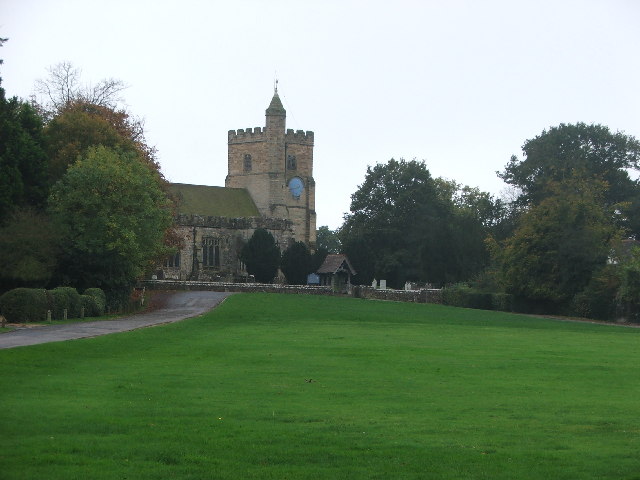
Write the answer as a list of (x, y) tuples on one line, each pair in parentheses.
[(502, 302), (100, 298), (91, 308), (598, 299), (461, 295), (65, 298), (22, 305)]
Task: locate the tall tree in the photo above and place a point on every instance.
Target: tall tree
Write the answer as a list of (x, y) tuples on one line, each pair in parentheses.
[(328, 240), (296, 263), (559, 243), (590, 151), (80, 125), (112, 214), (261, 256), (64, 86), (2, 40), (29, 245), (403, 225), (23, 162)]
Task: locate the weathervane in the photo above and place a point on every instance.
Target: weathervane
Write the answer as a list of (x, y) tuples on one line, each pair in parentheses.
[(275, 86)]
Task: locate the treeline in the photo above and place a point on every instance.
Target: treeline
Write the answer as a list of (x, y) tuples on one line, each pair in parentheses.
[(564, 243), (82, 200)]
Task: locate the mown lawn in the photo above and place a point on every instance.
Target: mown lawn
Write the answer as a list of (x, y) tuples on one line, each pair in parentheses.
[(296, 387)]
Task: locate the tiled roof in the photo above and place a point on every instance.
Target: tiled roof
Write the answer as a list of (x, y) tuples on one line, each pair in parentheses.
[(335, 262), (213, 201)]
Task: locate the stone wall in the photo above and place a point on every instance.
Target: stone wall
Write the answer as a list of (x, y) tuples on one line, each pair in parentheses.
[(358, 291), (236, 287), (414, 296)]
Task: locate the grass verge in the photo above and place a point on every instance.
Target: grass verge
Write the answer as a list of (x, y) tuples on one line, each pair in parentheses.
[(277, 386)]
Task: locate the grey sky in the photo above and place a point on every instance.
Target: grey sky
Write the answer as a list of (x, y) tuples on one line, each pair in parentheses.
[(459, 84)]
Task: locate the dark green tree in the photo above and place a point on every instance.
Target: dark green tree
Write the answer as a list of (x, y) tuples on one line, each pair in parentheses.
[(317, 259), (23, 162), (405, 225), (589, 151), (379, 234), (328, 240), (112, 215), (261, 256), (559, 244), (29, 244), (296, 263)]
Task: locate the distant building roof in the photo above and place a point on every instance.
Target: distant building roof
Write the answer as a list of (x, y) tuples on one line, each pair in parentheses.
[(213, 201), (336, 262)]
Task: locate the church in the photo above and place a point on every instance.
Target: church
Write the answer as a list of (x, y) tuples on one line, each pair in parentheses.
[(269, 185)]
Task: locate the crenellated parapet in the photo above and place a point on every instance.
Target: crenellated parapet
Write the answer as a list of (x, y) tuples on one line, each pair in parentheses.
[(243, 223), (256, 134), (299, 137)]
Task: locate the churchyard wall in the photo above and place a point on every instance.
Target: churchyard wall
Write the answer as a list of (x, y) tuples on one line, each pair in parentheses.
[(357, 291)]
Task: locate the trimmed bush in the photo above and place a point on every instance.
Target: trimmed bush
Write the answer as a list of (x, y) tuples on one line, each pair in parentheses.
[(22, 305), (90, 305), (100, 298), (65, 298)]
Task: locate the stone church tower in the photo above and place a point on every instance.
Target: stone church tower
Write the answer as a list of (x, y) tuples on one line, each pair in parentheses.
[(269, 185), (275, 166)]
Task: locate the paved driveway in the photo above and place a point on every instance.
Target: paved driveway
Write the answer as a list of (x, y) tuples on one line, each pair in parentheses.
[(177, 306)]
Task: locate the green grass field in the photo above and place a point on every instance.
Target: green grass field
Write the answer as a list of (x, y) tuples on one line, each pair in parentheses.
[(303, 387)]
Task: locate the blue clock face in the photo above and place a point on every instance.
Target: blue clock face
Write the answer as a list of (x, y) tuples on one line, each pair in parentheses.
[(296, 186)]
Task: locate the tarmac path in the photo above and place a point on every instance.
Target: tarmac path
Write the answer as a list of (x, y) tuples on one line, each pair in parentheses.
[(175, 306)]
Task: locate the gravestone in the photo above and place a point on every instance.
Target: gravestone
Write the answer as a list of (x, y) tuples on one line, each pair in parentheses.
[(383, 284)]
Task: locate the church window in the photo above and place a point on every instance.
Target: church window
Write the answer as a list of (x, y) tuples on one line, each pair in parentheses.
[(247, 162), (211, 252), (292, 163), (173, 261)]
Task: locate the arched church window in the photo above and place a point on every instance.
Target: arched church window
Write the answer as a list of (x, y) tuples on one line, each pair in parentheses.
[(173, 261), (247, 162), (292, 164), (210, 252)]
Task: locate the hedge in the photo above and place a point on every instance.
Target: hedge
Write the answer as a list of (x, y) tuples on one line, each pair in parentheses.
[(100, 298), (503, 302), (65, 298), (22, 305), (90, 306), (464, 296), (461, 295)]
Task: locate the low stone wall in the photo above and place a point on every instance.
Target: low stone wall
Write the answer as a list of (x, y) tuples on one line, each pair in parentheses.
[(357, 291), (236, 287), (415, 296)]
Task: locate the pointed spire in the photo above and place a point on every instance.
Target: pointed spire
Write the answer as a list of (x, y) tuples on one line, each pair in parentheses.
[(275, 107)]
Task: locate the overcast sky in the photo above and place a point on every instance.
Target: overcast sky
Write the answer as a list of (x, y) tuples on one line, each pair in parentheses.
[(459, 84)]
